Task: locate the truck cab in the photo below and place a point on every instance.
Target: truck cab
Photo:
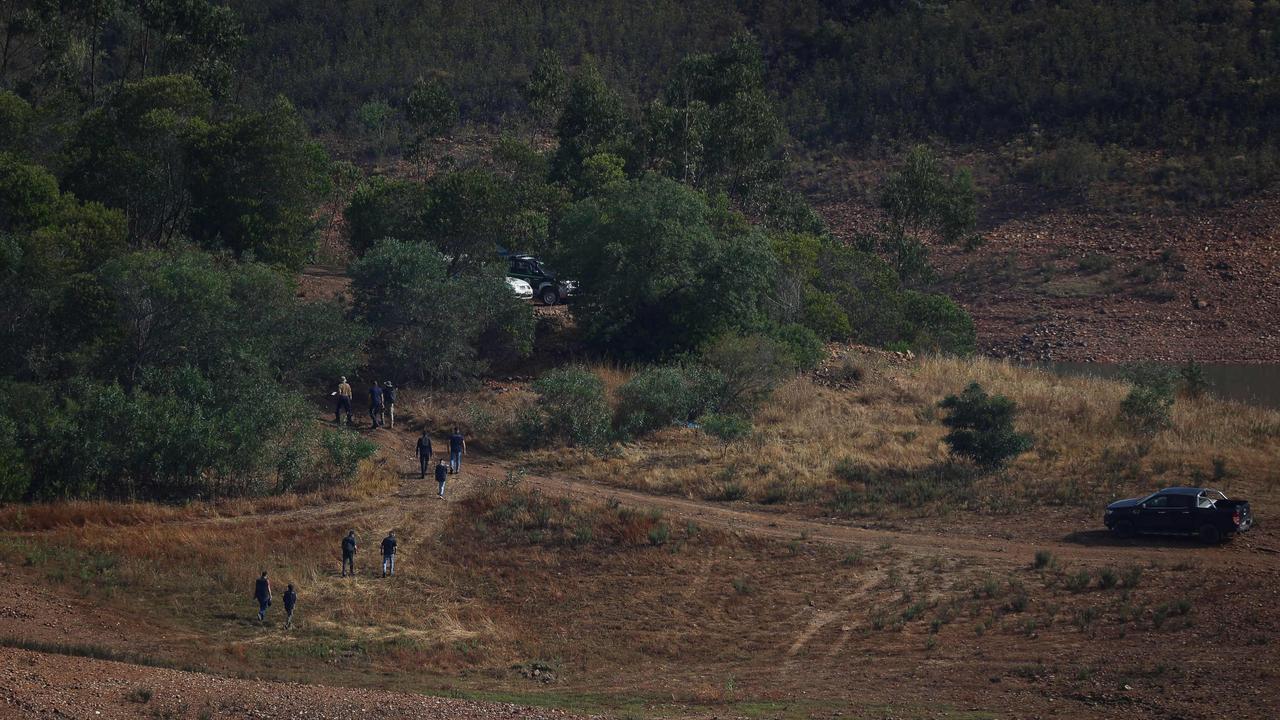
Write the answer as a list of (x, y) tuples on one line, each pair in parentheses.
[(546, 287), (1204, 512)]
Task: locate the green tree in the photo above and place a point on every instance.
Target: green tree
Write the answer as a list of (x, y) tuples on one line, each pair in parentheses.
[(592, 121), (382, 208), (982, 428), (257, 181), (433, 326), (376, 117), (921, 199), (134, 154), (548, 86), (660, 270), (431, 108)]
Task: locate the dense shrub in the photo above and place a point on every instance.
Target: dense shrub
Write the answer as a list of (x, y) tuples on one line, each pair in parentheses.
[(751, 366), (660, 270), (654, 398), (433, 326), (982, 427), (1148, 406), (661, 395), (573, 407), (725, 427), (935, 323), (802, 344)]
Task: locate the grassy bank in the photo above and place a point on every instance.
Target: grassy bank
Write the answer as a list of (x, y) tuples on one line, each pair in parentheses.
[(873, 447)]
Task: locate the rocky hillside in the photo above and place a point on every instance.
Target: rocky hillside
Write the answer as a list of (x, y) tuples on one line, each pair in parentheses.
[(1077, 283)]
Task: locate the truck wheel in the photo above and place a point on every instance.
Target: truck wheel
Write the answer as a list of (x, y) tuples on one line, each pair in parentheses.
[(1210, 535), (549, 295), (1123, 529)]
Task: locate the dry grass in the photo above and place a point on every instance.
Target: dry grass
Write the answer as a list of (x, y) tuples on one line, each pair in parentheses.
[(815, 444)]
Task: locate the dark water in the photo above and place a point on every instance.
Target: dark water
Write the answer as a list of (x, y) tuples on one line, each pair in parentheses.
[(1255, 384)]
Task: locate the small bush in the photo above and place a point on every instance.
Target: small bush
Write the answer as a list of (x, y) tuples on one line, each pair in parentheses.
[(728, 492), (1147, 409), (659, 396), (1194, 383), (1044, 559), (804, 345), (573, 407), (1095, 263), (343, 451), (741, 586), (1078, 582), (1074, 166), (1107, 578), (982, 427), (725, 428), (140, 695), (659, 534), (1131, 577), (751, 366)]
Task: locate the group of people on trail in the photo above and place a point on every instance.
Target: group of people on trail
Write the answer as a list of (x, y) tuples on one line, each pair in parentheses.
[(262, 586), (382, 403), (457, 448), (262, 593), (382, 413), (388, 546)]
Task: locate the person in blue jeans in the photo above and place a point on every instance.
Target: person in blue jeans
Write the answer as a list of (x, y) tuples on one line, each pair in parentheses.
[(389, 554), (457, 448), (262, 593)]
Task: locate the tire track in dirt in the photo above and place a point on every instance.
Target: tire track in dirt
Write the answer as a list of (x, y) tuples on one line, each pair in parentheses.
[(994, 550)]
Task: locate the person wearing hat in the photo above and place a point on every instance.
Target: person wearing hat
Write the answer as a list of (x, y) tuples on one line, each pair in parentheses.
[(389, 401), (343, 394)]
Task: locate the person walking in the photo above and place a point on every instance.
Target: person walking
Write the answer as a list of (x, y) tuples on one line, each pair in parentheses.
[(457, 448), (375, 405), (389, 554), (349, 553), (290, 602), (424, 454), (262, 593), (442, 474), (389, 398), (344, 402)]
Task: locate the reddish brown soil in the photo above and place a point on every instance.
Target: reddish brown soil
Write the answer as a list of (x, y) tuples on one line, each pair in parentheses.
[(37, 685), (1201, 285)]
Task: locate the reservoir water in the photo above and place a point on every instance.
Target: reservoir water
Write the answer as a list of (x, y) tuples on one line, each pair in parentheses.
[(1255, 384)]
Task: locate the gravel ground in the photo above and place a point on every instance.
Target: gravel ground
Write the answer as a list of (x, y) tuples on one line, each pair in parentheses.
[(37, 685)]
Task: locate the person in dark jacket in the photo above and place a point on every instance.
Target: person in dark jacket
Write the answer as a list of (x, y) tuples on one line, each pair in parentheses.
[(375, 405), (389, 554), (349, 553), (262, 593), (457, 448), (389, 399), (290, 602), (424, 454), (442, 474)]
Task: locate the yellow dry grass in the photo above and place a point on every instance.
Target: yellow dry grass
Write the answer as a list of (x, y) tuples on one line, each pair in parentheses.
[(890, 423)]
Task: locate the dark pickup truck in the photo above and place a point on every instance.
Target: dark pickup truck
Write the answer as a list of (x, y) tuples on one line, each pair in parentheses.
[(1203, 512)]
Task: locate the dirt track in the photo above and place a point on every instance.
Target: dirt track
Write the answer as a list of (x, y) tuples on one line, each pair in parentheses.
[(38, 685)]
